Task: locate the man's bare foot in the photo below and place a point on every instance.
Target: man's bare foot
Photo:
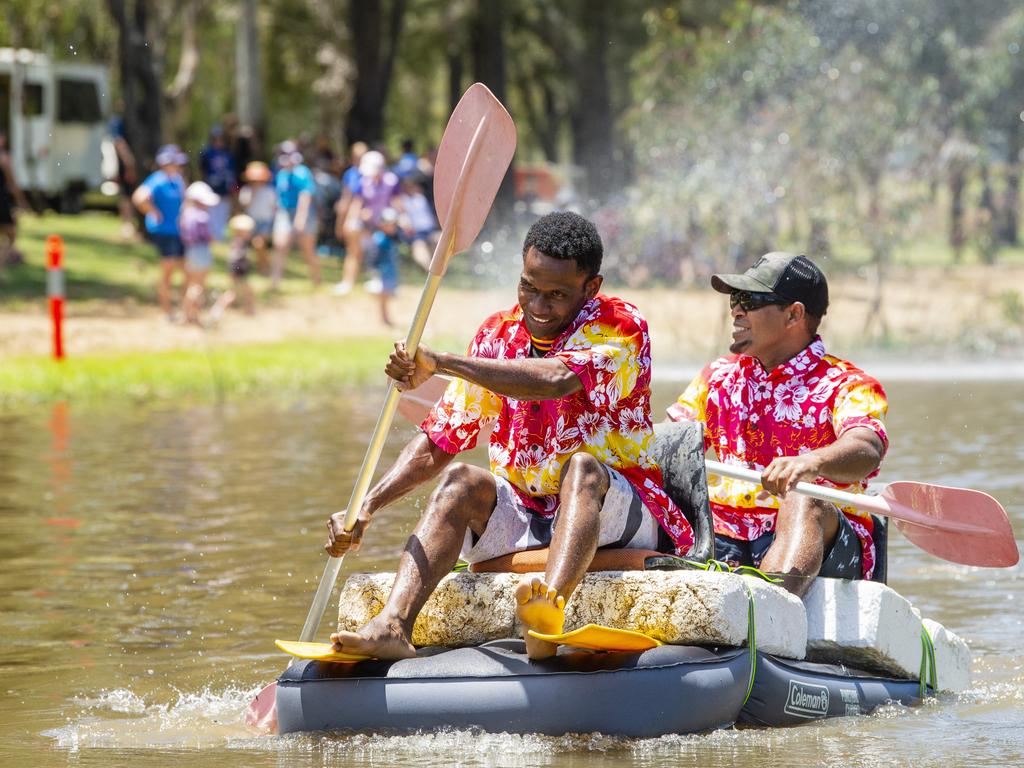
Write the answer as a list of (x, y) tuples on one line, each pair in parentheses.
[(377, 638), (541, 609)]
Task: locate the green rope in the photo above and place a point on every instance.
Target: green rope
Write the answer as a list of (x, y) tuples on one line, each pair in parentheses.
[(749, 570), (751, 641), (929, 672)]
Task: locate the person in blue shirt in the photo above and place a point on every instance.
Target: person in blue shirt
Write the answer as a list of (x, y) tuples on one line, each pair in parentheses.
[(159, 197), (218, 167), (296, 219)]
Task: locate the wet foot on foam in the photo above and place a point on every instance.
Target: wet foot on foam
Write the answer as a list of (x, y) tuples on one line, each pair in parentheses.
[(541, 609), (377, 639)]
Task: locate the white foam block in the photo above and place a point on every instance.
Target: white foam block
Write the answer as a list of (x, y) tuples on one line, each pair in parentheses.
[(679, 607), (952, 658), (863, 624)]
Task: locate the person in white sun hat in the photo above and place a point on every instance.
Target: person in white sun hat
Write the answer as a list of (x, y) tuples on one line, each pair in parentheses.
[(196, 231)]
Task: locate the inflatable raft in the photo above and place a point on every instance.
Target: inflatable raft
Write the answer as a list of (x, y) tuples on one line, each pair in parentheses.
[(672, 689), (495, 688)]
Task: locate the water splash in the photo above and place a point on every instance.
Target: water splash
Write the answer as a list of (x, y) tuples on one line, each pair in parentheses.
[(193, 720)]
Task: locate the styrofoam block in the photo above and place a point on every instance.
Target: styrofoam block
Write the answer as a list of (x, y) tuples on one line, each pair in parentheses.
[(863, 624), (952, 658), (679, 607)]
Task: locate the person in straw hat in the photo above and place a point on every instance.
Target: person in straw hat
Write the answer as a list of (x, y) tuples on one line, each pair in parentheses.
[(259, 202)]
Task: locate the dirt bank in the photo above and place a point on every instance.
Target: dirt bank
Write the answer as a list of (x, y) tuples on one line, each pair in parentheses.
[(972, 311)]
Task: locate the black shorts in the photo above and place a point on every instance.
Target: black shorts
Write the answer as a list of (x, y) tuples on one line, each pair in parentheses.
[(842, 561), (240, 267), (6, 211), (168, 246)]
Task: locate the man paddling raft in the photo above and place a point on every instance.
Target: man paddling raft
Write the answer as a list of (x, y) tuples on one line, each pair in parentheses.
[(564, 377), (781, 404)]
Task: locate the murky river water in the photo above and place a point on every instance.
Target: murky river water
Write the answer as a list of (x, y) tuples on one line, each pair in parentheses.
[(150, 555)]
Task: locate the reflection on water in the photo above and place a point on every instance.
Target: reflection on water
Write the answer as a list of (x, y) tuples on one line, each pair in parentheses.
[(151, 555)]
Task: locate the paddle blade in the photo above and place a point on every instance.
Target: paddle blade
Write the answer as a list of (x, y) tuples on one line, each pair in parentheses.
[(957, 524), (318, 652), (468, 173), (595, 637), (262, 712), (415, 404)]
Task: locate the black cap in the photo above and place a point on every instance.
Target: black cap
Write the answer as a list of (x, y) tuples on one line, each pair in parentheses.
[(790, 276)]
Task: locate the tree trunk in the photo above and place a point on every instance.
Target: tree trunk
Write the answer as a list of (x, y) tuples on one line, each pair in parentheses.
[(957, 182), (987, 235), (488, 48), (1011, 195), (141, 89), (248, 80), (375, 50), (592, 119), (188, 66), (454, 76), (875, 325)]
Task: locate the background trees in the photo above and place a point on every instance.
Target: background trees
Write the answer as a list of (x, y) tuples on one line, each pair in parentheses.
[(699, 132)]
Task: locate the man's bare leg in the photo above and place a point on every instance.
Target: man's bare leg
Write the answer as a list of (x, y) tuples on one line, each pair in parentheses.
[(307, 243), (163, 291), (464, 498), (804, 531), (540, 605)]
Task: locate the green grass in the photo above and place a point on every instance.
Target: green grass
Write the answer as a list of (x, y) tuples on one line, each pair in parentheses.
[(99, 266), (285, 367)]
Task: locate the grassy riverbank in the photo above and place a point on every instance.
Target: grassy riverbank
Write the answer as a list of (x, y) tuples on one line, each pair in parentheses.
[(285, 367), (119, 346)]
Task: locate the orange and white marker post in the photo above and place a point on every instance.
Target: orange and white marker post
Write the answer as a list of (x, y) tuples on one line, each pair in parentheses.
[(55, 291)]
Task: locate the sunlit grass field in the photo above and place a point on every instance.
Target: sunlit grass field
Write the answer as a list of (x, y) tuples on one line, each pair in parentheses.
[(100, 265), (221, 372)]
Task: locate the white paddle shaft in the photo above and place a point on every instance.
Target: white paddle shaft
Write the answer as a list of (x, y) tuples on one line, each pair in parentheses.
[(438, 264), (842, 498)]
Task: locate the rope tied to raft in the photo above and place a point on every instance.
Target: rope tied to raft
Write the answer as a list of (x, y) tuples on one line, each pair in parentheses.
[(929, 676), (751, 641)]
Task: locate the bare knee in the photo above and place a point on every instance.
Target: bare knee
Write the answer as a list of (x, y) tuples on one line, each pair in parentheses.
[(803, 516), (584, 471), (466, 491)]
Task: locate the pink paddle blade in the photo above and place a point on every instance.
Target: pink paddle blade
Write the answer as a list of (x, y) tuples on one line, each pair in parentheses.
[(262, 712), (957, 524), (480, 173), (415, 404)]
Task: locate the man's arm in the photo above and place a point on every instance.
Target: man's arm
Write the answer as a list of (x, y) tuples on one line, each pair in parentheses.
[(142, 199), (419, 462), (852, 457), (520, 379)]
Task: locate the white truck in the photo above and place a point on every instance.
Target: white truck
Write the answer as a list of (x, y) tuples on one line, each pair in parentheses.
[(55, 116)]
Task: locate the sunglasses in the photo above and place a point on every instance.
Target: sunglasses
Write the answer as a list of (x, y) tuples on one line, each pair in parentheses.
[(749, 301)]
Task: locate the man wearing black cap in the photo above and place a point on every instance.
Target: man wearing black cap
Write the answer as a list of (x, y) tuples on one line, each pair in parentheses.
[(781, 404)]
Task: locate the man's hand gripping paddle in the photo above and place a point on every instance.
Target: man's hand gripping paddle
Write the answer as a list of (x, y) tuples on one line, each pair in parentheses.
[(472, 159), (960, 525)]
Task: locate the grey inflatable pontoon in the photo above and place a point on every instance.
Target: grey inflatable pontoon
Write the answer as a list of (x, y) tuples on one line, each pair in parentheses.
[(495, 688), (667, 690)]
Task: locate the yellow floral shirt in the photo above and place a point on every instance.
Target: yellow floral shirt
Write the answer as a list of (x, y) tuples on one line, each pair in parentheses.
[(607, 346)]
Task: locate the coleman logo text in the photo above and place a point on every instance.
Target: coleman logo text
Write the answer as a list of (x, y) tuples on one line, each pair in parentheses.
[(805, 700)]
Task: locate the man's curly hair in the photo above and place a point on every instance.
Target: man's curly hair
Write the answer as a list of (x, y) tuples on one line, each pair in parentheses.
[(566, 235)]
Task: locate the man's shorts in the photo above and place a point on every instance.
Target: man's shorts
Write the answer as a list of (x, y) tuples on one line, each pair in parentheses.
[(842, 561), (625, 523), (263, 228), (284, 224), (168, 246)]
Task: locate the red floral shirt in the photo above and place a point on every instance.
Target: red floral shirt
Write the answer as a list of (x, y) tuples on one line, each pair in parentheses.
[(753, 415), (608, 348)]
